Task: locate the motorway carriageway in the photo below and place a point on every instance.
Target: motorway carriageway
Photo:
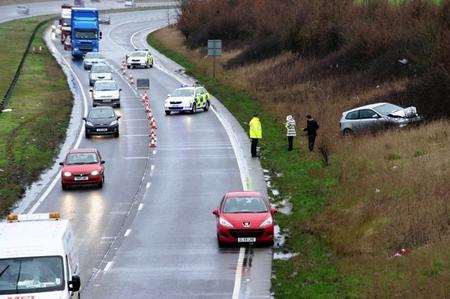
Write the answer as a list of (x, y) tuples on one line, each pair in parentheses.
[(149, 233)]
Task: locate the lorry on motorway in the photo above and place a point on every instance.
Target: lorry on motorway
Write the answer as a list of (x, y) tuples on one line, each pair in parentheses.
[(37, 257), (85, 35), (64, 21)]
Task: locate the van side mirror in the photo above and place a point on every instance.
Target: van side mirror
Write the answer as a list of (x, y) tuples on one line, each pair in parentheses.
[(61, 163), (75, 283), (120, 89), (100, 35), (216, 212), (102, 162), (119, 116), (375, 116)]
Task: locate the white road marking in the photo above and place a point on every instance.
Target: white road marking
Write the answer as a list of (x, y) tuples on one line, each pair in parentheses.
[(77, 143), (154, 152), (141, 206), (135, 158), (238, 274), (134, 135), (108, 266), (127, 233), (107, 238), (152, 167), (148, 185)]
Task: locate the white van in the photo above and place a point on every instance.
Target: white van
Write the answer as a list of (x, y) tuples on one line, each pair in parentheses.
[(37, 258), (129, 3)]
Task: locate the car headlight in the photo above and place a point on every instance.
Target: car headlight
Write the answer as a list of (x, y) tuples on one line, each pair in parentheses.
[(89, 124), (113, 123), (67, 174), (267, 222), (224, 222), (95, 172), (76, 49)]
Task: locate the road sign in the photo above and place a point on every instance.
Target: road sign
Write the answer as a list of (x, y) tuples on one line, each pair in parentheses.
[(142, 83), (214, 47)]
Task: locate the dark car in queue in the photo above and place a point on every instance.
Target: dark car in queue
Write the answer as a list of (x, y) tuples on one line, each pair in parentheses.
[(82, 167), (101, 120), (244, 217)]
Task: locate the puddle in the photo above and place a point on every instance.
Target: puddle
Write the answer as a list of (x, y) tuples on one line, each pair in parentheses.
[(284, 256)]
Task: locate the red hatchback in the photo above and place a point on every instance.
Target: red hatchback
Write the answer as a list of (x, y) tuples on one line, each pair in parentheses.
[(244, 217), (82, 167)]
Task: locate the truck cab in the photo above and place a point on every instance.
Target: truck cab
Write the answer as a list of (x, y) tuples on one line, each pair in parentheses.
[(37, 257), (85, 31), (65, 20)]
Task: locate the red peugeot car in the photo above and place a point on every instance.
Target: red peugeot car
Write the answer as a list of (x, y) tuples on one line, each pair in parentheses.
[(244, 217), (82, 167)]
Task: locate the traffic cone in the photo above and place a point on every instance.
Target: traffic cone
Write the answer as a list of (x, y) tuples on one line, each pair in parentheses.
[(149, 116), (130, 78), (153, 123)]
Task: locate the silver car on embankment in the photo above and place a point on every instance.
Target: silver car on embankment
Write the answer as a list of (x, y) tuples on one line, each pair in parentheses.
[(376, 117)]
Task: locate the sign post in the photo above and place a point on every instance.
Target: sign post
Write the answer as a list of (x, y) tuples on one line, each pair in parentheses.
[(214, 49)]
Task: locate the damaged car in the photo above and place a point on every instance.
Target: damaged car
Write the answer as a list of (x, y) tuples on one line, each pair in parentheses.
[(376, 117)]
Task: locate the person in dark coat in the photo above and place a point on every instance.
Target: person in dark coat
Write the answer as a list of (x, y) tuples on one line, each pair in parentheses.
[(311, 129)]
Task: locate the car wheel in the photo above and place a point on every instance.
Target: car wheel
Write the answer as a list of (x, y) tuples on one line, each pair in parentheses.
[(128, 66), (207, 104), (167, 112), (194, 108), (100, 185), (220, 243), (87, 135), (117, 134), (94, 105), (64, 187), (118, 105), (151, 65), (347, 132)]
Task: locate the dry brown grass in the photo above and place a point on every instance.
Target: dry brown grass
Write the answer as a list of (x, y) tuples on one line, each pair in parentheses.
[(393, 188)]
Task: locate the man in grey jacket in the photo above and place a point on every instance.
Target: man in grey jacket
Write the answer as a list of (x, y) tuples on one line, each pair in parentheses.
[(290, 131)]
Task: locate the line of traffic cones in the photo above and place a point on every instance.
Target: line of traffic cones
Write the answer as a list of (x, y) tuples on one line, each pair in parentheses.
[(151, 120)]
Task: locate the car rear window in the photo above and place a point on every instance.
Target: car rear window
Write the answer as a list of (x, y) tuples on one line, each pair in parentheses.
[(244, 205), (81, 158)]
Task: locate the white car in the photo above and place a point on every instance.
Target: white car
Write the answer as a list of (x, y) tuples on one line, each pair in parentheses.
[(139, 58), (129, 3), (92, 58), (187, 99), (99, 71), (106, 92)]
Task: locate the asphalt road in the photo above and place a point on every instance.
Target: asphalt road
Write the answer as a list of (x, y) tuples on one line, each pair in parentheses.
[(149, 232)]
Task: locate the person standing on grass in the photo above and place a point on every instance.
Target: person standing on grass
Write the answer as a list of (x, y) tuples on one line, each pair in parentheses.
[(290, 131), (255, 133), (311, 129)]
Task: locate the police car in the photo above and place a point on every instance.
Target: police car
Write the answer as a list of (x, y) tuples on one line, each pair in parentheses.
[(189, 99), (139, 58), (38, 257)]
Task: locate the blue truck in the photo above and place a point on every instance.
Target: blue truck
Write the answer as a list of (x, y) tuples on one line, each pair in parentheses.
[(85, 31)]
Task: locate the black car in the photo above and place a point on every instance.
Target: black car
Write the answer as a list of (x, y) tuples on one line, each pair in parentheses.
[(102, 121)]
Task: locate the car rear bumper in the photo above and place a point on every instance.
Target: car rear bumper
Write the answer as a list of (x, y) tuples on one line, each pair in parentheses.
[(232, 236), (106, 102)]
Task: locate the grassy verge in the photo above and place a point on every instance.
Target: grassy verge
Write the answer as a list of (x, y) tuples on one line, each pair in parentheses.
[(41, 103), (379, 193), (318, 275)]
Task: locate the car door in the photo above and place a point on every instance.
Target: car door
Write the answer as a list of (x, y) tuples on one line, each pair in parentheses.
[(368, 120), (199, 97)]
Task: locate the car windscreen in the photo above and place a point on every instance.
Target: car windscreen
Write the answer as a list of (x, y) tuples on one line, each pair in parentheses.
[(97, 68), (86, 34), (183, 93), (138, 54), (92, 55), (101, 113), (244, 205), (31, 275), (387, 109), (81, 158), (105, 85)]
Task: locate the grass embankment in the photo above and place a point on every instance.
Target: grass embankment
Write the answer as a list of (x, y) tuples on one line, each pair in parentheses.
[(379, 194), (41, 103)]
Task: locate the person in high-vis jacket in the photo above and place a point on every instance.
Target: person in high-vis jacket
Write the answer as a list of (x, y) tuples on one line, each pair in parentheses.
[(255, 133), (290, 131)]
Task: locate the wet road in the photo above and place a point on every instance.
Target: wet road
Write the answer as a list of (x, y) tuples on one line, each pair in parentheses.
[(149, 232)]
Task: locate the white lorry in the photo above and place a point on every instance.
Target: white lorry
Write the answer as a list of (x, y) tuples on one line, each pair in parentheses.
[(37, 258)]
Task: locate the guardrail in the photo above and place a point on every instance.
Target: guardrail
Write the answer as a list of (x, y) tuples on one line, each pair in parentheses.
[(12, 85)]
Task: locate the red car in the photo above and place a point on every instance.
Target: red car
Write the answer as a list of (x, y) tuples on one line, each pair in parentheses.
[(244, 217), (82, 167)]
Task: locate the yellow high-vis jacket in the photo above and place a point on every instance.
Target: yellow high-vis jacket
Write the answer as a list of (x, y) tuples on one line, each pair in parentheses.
[(255, 128)]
